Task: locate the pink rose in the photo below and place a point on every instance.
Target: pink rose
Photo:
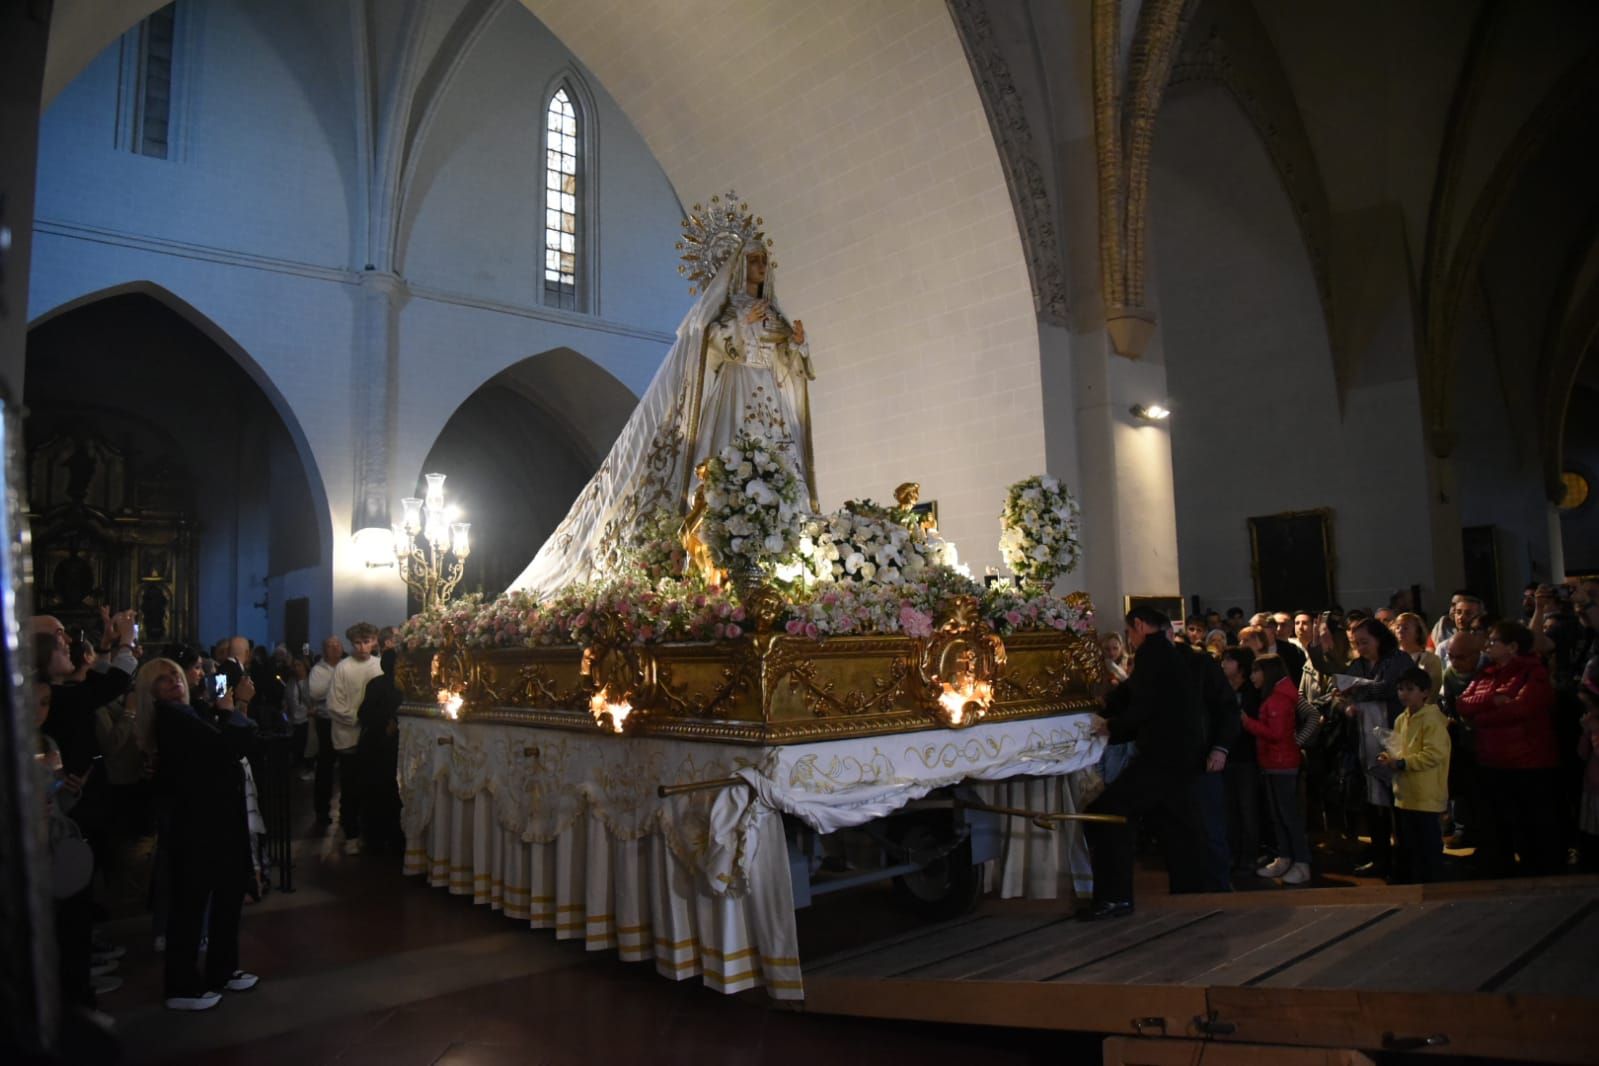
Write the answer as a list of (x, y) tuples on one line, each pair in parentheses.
[(811, 631), (795, 627), (914, 623), (733, 631), (738, 614), (1014, 617)]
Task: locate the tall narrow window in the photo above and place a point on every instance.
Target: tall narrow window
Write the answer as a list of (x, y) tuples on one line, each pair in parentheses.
[(562, 132), (152, 117)]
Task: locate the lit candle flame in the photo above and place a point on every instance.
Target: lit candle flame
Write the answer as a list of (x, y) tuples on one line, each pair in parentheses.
[(601, 707), (968, 699), (449, 704)]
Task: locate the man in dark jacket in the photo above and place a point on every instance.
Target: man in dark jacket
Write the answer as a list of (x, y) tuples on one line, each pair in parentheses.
[(1211, 861), (1164, 713)]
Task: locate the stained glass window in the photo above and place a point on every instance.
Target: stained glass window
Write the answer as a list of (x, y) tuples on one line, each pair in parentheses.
[(562, 129)]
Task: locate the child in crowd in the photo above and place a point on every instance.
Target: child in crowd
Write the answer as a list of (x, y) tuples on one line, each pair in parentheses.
[(1419, 759), (1587, 747), (1278, 754)]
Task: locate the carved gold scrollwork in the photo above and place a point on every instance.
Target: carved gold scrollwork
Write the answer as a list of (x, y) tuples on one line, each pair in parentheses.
[(740, 674), (537, 687), (622, 675), (795, 663), (958, 666)]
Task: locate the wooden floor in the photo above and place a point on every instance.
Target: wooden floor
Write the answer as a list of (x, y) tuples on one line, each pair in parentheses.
[(1506, 969)]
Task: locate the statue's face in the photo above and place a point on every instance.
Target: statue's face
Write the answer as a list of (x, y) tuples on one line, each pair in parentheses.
[(755, 268)]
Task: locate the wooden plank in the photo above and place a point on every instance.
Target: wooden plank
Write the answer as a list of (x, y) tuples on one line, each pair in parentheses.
[(1210, 945), (1567, 966), (1060, 949), (1535, 1029), (891, 962), (1016, 1004), (1445, 947), (821, 965), (1141, 1051), (1311, 930)]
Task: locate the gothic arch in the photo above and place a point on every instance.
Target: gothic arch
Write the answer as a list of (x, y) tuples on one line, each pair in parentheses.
[(560, 409), (223, 340)]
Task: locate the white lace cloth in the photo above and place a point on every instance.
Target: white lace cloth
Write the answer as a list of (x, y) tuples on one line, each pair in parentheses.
[(564, 830)]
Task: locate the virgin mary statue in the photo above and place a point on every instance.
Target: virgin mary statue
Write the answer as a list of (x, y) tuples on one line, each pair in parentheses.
[(737, 363)]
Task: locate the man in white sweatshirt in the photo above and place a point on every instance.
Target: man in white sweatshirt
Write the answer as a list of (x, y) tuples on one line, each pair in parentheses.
[(350, 678)]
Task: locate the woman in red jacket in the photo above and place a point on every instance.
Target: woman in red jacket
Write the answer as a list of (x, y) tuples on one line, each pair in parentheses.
[(1278, 755), (1509, 706)]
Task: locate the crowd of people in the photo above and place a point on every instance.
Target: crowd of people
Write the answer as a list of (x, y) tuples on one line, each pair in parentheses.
[(150, 761), (1248, 737)]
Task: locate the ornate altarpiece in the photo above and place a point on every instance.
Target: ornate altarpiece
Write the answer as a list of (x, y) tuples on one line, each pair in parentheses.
[(110, 527)]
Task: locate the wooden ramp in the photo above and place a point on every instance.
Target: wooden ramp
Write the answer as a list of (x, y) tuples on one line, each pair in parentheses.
[(1505, 969)]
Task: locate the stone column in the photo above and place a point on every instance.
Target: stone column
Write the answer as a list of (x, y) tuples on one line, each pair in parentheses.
[(362, 594), (1129, 507), (29, 1004)]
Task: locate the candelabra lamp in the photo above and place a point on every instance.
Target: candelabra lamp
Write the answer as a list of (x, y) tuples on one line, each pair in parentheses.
[(430, 547)]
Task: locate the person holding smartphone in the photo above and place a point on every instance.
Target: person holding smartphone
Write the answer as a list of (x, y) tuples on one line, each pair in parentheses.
[(201, 774)]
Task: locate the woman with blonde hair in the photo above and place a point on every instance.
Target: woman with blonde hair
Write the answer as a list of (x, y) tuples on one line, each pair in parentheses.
[(201, 777), (1412, 634)]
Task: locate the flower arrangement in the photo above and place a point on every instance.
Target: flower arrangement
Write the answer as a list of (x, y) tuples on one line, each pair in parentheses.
[(1012, 610), (752, 497), (655, 612), (865, 542), (1039, 530)]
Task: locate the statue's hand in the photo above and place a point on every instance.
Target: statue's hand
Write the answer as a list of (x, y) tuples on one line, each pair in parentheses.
[(799, 332), (757, 311)]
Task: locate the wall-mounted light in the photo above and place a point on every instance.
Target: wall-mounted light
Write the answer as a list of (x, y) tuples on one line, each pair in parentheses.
[(1152, 413)]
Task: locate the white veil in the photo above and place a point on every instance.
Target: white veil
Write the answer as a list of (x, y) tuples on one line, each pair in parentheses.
[(648, 467)]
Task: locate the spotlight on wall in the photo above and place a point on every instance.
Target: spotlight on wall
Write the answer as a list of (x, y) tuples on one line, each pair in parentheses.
[(1153, 413), (374, 547)]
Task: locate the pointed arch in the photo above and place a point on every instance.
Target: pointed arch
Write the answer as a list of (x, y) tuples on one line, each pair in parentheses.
[(568, 154), (252, 369)]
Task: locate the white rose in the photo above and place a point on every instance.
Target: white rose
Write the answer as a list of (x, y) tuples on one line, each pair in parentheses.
[(773, 543), (868, 571), (1050, 484), (855, 561), (744, 470), (807, 546), (1040, 553), (736, 545)]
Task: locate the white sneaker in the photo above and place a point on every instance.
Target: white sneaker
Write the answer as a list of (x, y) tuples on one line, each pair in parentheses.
[(1276, 868), (352, 846), (1297, 874), (241, 981), (203, 1001), (104, 984)]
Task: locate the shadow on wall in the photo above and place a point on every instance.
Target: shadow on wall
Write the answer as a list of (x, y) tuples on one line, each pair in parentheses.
[(161, 474), (518, 451)]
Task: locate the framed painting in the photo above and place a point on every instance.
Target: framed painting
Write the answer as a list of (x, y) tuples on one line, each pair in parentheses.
[(1173, 607), (1292, 560)]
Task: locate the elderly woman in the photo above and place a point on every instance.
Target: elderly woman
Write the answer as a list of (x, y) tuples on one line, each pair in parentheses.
[(200, 773), (1371, 699), (1509, 705)]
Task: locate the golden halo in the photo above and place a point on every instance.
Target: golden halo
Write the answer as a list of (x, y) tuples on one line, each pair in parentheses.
[(712, 234)]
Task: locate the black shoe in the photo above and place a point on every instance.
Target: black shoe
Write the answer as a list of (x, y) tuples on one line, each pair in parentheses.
[(1371, 869), (1110, 908)]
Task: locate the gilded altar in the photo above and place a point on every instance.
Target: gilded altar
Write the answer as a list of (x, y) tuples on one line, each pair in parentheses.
[(767, 687)]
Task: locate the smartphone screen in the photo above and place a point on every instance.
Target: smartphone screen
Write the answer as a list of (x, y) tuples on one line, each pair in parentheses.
[(219, 685)]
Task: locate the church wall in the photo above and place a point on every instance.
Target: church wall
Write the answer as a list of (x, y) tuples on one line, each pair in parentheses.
[(1257, 427), (856, 131), (476, 221), (1580, 527), (252, 226), (1498, 476), (263, 145)]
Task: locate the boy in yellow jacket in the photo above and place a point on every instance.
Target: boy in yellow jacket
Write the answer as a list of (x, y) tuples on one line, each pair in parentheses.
[(1420, 762)]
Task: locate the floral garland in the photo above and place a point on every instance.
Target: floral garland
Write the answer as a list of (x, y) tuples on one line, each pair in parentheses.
[(752, 497), (656, 612), (1039, 530)]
